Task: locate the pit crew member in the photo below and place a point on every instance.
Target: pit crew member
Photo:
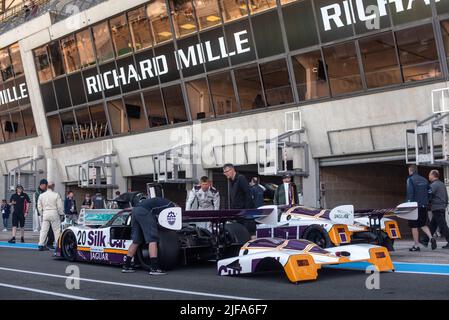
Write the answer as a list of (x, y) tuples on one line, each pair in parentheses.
[(203, 196)]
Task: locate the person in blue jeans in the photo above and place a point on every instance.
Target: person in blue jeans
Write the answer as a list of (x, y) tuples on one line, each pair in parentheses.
[(5, 210)]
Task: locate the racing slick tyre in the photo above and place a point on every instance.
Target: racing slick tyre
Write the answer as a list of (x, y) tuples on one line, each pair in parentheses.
[(236, 236), (168, 251), (317, 235), (69, 246), (385, 242)]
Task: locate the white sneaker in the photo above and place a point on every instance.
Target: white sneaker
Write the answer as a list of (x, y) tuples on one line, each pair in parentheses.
[(5, 230)]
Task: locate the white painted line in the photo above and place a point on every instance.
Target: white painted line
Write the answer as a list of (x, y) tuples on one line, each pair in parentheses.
[(51, 293), (121, 284), (423, 272)]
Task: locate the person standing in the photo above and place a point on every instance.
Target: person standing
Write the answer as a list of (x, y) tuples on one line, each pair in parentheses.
[(203, 196), (41, 189), (51, 207), (70, 207), (418, 190), (438, 201), (144, 229), (5, 209), (87, 202), (98, 201), (257, 192), (20, 201), (286, 193)]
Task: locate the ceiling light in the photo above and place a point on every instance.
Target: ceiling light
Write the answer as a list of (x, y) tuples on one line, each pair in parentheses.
[(164, 34), (188, 26), (212, 18)]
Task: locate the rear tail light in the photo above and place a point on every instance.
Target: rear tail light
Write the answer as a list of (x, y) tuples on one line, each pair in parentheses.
[(302, 263)]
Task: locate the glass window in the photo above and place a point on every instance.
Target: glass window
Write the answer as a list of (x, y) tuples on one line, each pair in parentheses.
[(56, 59), (183, 17), (418, 53), (380, 62), (268, 35), (331, 25), (121, 36), (49, 97), (17, 124), (2, 126), (102, 40), (373, 22), (155, 108), (310, 76), (140, 29), (118, 117), (212, 35), (84, 129), (100, 127), (445, 33), (54, 126), (7, 127), (207, 13), (242, 28), (85, 48), (233, 9), (174, 103), (286, 1), (261, 5), (136, 113), (412, 11), (276, 82), (28, 121), (249, 87), (343, 68), (76, 89), (223, 95), (199, 99), (42, 63), (157, 13), (69, 127), (62, 93), (300, 25), (9, 86), (70, 55), (16, 59), (6, 65)]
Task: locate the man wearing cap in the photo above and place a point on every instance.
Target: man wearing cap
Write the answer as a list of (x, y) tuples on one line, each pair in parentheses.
[(20, 200), (50, 206), (286, 193), (41, 189)]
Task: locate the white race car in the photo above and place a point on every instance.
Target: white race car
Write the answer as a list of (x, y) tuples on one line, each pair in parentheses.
[(300, 259)]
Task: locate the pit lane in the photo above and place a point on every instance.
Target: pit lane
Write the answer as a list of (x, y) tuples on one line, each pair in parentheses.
[(25, 270)]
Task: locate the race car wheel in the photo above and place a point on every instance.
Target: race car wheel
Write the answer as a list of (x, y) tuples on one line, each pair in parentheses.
[(386, 242), (237, 233), (69, 246), (317, 235), (168, 251)]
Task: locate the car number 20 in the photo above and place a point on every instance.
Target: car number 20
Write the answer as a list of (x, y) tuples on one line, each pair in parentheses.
[(82, 237)]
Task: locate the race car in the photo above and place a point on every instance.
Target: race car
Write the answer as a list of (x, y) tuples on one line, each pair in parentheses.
[(339, 226), (104, 235), (300, 259)]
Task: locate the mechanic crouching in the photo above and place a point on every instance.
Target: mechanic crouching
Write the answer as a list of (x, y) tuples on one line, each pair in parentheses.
[(144, 229)]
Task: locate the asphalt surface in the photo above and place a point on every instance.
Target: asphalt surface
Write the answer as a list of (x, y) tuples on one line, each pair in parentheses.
[(30, 274)]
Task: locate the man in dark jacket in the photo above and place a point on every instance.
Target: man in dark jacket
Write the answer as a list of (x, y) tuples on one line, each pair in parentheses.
[(418, 190), (286, 193), (70, 207), (5, 209), (257, 192), (240, 194), (43, 184), (438, 201)]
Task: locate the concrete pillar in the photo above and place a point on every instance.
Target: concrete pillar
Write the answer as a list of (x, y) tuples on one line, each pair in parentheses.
[(311, 184)]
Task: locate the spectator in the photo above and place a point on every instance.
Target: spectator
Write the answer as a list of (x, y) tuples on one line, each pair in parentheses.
[(41, 189), (286, 193), (6, 210), (51, 208), (98, 201), (87, 202), (20, 201), (203, 196), (257, 192), (70, 207), (418, 190), (239, 194), (438, 201)]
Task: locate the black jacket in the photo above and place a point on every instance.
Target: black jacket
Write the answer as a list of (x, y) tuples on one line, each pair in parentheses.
[(240, 193)]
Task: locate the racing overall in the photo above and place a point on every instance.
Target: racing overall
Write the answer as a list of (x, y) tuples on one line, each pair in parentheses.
[(50, 206), (203, 200)]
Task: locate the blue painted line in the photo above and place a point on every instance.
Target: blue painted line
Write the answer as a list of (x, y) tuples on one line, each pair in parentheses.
[(32, 246), (400, 267)]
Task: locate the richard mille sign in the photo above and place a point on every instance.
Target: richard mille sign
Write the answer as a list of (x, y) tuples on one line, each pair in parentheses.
[(348, 12), (13, 94), (157, 66)]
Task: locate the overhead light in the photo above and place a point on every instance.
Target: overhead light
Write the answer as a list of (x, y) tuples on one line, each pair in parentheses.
[(212, 18), (164, 34), (188, 26)]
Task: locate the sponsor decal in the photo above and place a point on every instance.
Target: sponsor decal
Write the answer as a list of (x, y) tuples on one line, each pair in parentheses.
[(99, 256), (119, 244), (171, 218)]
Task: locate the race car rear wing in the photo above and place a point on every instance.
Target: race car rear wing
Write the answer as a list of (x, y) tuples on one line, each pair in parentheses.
[(265, 214)]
